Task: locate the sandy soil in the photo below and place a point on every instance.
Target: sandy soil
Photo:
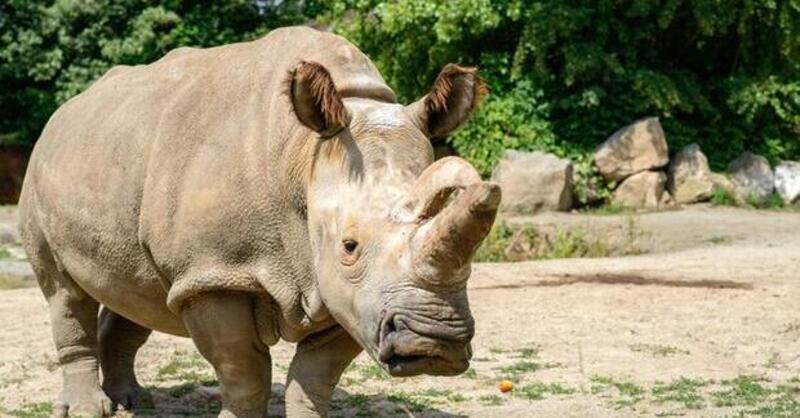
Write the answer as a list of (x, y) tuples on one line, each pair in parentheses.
[(707, 323)]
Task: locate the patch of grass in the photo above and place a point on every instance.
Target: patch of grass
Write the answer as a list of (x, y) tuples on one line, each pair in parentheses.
[(744, 390), (494, 246), (770, 201), (4, 253), (537, 391), (434, 393), (720, 239), (186, 367), (721, 197), (32, 410), (630, 392), (182, 390), (519, 243), (531, 351), (682, 390), (372, 371), (470, 374), (657, 350), (356, 400), (409, 401), (498, 350), (457, 397), (360, 373), (521, 367), (15, 282), (608, 208), (491, 400)]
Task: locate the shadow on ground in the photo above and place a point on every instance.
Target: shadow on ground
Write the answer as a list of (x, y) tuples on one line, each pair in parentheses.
[(191, 399)]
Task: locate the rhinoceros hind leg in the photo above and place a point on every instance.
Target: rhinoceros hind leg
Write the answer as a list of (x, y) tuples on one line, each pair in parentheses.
[(73, 316), (224, 330), (119, 340)]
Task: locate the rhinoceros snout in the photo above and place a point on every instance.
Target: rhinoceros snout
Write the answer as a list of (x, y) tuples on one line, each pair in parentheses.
[(411, 346)]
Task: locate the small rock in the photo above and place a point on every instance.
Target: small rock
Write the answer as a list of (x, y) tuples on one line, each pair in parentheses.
[(533, 182), (751, 176), (787, 181), (641, 190), (637, 147), (689, 176)]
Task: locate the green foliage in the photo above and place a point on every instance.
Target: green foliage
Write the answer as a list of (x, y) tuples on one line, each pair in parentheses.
[(770, 201), (537, 391), (563, 75), (682, 390), (525, 242), (33, 410), (589, 187), (721, 197), (727, 77), (517, 120), (52, 50)]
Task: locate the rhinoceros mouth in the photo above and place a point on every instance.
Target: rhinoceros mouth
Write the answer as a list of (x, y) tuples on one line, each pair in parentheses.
[(404, 352)]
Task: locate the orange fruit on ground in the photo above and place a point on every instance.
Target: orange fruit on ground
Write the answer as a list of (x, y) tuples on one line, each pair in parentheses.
[(506, 386)]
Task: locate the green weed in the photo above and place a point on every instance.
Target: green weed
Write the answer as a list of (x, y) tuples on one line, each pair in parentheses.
[(744, 390), (491, 400), (33, 410), (658, 350), (187, 367), (409, 401), (537, 391), (721, 197), (683, 390)]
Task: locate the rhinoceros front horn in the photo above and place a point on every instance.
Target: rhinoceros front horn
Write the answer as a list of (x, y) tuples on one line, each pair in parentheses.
[(455, 210)]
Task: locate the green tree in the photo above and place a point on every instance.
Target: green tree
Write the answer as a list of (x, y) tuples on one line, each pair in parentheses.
[(724, 75), (52, 50)]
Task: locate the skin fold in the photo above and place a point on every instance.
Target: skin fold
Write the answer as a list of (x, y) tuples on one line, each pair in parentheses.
[(248, 193)]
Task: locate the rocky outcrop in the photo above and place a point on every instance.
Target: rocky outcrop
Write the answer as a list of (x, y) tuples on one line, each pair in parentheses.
[(643, 190), (689, 177), (534, 182), (752, 176), (787, 181), (637, 147)]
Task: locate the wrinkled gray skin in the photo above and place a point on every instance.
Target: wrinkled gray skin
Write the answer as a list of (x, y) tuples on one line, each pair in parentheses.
[(217, 194)]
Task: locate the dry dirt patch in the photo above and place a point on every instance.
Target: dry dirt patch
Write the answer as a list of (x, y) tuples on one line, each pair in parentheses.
[(693, 328)]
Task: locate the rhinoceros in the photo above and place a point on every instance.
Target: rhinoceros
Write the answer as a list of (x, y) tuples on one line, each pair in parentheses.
[(248, 193)]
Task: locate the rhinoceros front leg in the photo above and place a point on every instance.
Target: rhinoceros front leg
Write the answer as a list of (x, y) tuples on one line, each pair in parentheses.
[(314, 373), (224, 331)]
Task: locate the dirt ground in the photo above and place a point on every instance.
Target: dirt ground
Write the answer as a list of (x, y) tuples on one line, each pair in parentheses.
[(705, 323)]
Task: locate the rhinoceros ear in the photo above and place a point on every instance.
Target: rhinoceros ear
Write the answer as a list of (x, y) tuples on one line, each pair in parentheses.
[(315, 100), (456, 93)]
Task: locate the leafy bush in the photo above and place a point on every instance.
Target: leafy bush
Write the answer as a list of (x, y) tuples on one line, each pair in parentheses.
[(721, 197), (727, 77), (514, 121), (563, 75)]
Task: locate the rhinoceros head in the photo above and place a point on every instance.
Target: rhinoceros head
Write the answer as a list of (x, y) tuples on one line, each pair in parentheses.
[(393, 232)]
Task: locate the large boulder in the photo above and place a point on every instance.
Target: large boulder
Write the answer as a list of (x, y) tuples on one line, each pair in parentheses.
[(752, 176), (534, 182), (637, 147), (787, 181), (642, 190), (689, 178)]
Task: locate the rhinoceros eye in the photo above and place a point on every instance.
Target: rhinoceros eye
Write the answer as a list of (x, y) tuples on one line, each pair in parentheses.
[(350, 246)]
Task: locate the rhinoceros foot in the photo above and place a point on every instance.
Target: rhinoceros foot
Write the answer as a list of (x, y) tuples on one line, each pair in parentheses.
[(130, 397), (80, 401)]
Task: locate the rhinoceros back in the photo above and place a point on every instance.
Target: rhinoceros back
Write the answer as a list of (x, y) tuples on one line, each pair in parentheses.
[(163, 181)]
